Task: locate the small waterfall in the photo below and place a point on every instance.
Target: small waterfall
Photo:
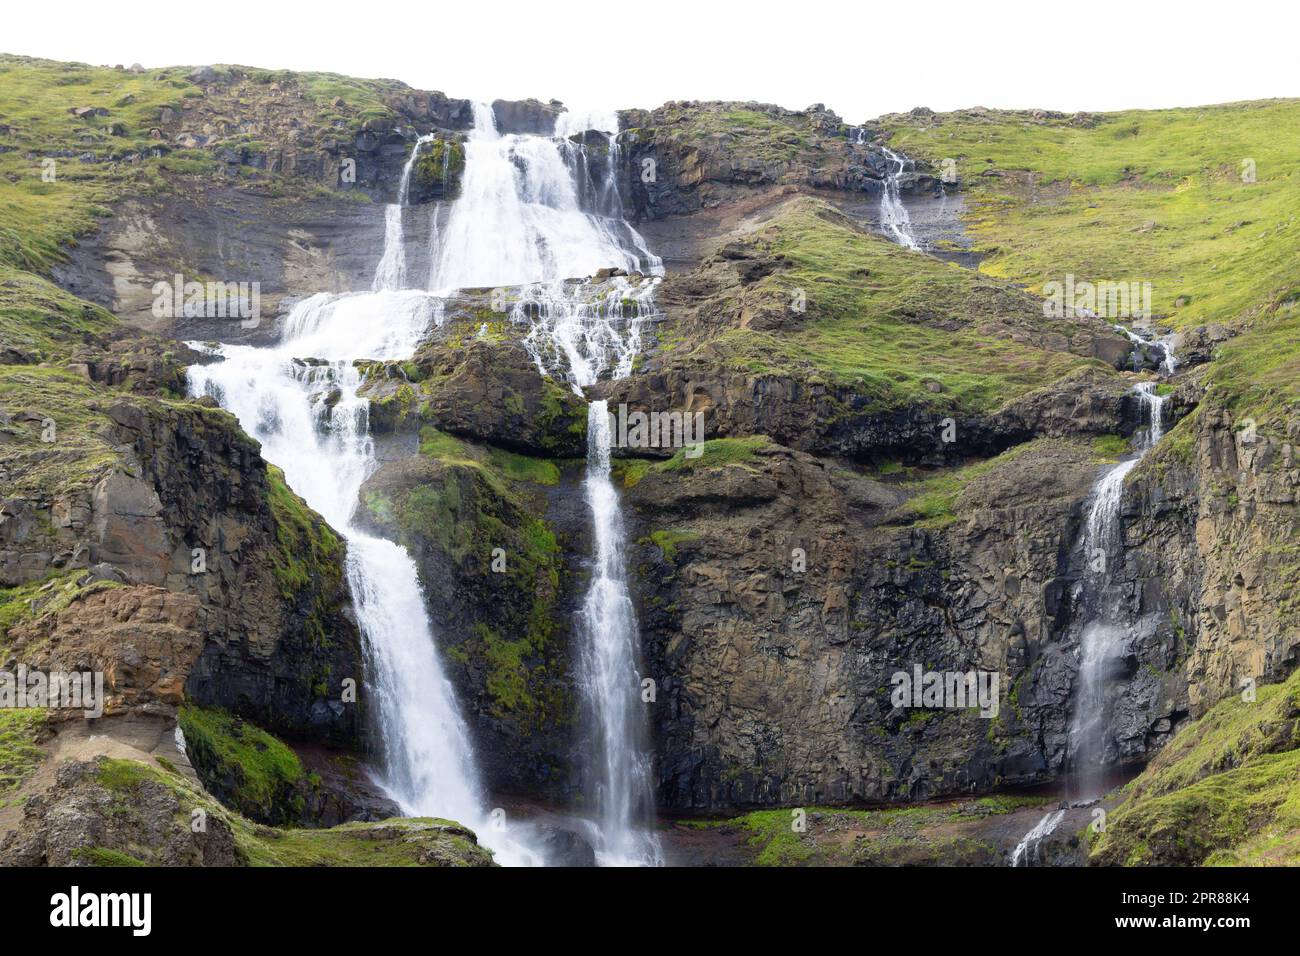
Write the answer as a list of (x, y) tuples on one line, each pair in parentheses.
[(582, 331), (390, 274), (610, 676), (1169, 364), (894, 220), (581, 334), (1106, 630), (1026, 851), (1163, 346)]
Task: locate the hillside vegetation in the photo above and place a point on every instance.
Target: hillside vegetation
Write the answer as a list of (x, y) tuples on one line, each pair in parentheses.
[(1203, 203)]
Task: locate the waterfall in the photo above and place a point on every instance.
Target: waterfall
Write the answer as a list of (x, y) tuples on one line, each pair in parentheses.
[(1106, 631), (581, 332), (1026, 851), (894, 220), (312, 422), (390, 274), (611, 679), (519, 218)]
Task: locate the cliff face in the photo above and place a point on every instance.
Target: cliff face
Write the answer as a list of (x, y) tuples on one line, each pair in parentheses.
[(897, 468), (161, 516)]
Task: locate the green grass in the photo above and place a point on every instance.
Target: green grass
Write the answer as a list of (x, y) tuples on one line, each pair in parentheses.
[(411, 841), (717, 452), (750, 135), (1111, 447), (44, 321), (891, 324), (20, 729), (38, 219), (667, 541), (80, 450), (47, 595), (1152, 196), (1225, 790), (306, 547), (933, 501), (99, 856), (263, 769)]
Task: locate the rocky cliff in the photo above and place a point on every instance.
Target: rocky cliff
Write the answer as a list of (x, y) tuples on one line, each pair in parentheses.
[(896, 469)]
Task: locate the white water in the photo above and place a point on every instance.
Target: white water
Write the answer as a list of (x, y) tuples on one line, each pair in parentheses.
[(582, 332), (519, 218), (523, 219), (313, 424), (1106, 632), (611, 679), (894, 220), (571, 122), (1026, 851), (390, 274)]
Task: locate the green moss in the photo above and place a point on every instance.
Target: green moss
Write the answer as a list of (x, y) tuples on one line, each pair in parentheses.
[(1225, 789), (82, 448), (539, 471), (441, 162), (257, 773), (408, 841), (99, 856), (934, 499), (43, 320), (716, 453), (629, 471), (307, 549), (667, 541), (49, 595), (778, 844), (20, 752), (411, 841), (1111, 447)]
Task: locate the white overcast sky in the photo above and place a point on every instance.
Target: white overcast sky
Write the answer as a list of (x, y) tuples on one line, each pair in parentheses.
[(861, 58)]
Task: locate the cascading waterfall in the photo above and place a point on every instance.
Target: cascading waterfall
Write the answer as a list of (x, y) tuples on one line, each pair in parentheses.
[(1106, 632), (390, 274), (582, 333), (894, 220), (1026, 852), (520, 220), (313, 423)]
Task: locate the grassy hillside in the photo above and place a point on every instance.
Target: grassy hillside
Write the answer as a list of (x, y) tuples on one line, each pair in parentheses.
[(901, 328), (1163, 196), (1225, 791)]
